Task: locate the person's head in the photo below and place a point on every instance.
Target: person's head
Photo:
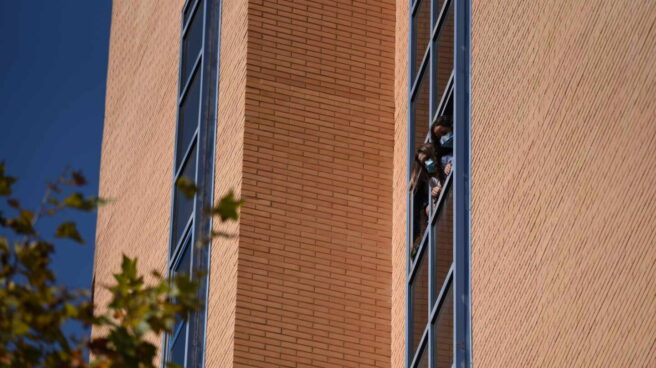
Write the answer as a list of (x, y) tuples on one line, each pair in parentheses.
[(425, 163), (424, 152), (441, 127)]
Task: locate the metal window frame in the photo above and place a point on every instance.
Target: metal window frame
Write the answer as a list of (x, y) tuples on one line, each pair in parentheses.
[(462, 186), (175, 245), (186, 240), (425, 247), (202, 142), (206, 178), (456, 90)]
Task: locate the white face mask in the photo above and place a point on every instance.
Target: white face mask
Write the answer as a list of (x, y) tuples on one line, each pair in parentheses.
[(446, 141)]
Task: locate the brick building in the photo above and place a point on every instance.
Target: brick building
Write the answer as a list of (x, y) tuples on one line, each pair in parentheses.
[(535, 250)]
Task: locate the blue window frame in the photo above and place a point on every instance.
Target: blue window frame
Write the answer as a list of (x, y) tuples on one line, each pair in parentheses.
[(194, 160), (438, 323)]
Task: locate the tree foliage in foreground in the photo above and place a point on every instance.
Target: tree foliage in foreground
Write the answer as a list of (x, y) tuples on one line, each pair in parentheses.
[(34, 307)]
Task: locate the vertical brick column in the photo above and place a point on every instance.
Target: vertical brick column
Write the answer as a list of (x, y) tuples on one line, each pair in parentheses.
[(220, 344), (314, 269), (400, 187)]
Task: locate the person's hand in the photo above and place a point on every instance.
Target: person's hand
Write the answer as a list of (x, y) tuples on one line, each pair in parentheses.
[(428, 211), (447, 168), (435, 192)]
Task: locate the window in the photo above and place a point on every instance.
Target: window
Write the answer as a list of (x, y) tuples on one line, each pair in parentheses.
[(439, 113), (178, 341), (194, 161)]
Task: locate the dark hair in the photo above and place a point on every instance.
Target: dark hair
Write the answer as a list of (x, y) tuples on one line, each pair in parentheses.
[(443, 121), (418, 169)]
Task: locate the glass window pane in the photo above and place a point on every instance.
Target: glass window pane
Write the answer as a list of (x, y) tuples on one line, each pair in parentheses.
[(421, 30), (420, 111), (437, 8), (188, 120), (183, 206), (448, 104), (192, 42), (443, 341), (419, 216), (419, 303), (420, 114), (443, 243), (177, 351), (422, 362), (184, 265), (444, 49), (187, 11)]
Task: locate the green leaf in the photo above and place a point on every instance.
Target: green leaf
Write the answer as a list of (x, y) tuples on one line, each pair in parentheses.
[(186, 186), (20, 328), (5, 181), (129, 267), (77, 201), (221, 234), (69, 230), (228, 207), (23, 223)]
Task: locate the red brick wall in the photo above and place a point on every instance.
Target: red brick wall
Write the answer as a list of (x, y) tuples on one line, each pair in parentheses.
[(314, 266), (564, 179)]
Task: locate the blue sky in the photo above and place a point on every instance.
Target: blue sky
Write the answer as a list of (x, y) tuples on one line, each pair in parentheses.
[(53, 67)]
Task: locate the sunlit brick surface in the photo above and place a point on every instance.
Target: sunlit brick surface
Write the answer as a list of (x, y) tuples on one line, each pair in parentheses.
[(138, 137), (312, 132), (400, 187), (220, 346), (564, 183)]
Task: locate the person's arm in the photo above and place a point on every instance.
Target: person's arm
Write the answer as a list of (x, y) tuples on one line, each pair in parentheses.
[(447, 163), (435, 192)]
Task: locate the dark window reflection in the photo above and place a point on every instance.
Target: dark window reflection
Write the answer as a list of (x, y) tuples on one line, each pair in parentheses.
[(443, 243), (443, 342), (443, 57), (419, 302), (421, 112), (420, 200), (422, 362), (188, 119), (422, 30), (183, 206), (192, 42), (177, 351)]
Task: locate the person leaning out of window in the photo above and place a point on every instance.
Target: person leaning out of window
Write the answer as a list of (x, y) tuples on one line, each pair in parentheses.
[(427, 175), (442, 138)]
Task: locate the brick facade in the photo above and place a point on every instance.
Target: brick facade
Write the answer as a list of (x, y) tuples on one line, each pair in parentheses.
[(312, 132), (400, 187), (138, 137), (220, 345), (314, 259), (563, 131)]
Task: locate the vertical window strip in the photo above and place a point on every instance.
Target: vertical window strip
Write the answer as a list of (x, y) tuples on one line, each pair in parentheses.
[(194, 160), (436, 244), (462, 186)]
